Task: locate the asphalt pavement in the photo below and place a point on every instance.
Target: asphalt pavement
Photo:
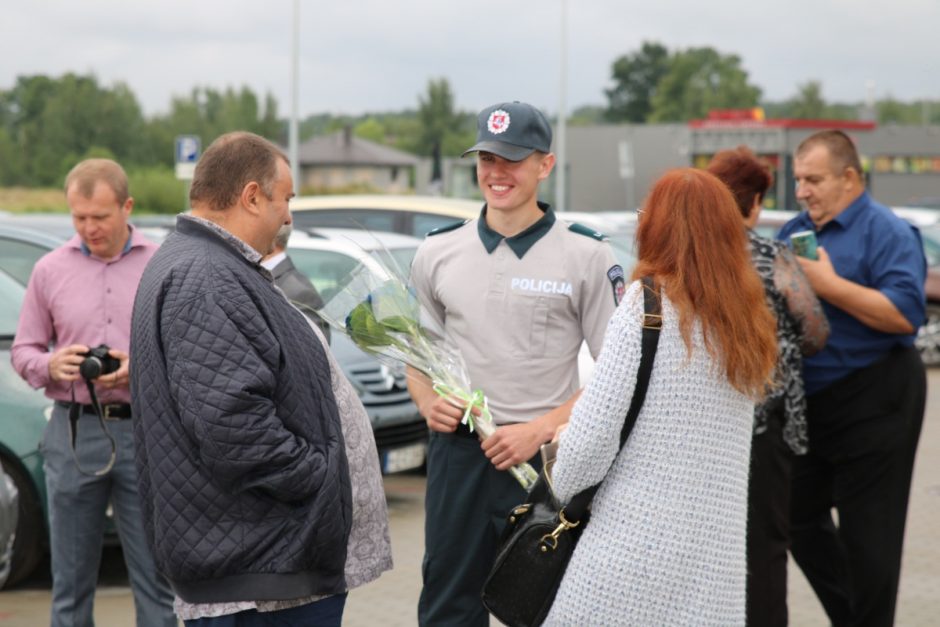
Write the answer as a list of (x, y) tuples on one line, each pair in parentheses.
[(391, 600)]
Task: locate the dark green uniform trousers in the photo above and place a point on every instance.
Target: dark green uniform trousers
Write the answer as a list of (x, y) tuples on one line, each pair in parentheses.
[(466, 506)]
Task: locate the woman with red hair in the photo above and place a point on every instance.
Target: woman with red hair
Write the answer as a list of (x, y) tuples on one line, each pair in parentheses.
[(780, 420), (666, 541)]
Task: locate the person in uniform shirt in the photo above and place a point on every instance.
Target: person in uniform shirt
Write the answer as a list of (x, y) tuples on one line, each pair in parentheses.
[(517, 292)]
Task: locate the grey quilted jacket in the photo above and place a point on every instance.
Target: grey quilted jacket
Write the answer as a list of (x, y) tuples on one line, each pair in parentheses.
[(242, 472)]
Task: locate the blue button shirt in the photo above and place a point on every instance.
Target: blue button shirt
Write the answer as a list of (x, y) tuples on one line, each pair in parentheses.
[(871, 246)]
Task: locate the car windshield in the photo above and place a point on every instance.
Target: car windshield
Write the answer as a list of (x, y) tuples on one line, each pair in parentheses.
[(11, 300)]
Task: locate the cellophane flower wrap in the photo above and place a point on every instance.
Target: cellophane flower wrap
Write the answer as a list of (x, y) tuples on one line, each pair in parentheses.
[(381, 314)]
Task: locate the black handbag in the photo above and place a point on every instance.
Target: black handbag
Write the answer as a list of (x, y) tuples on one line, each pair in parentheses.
[(540, 535)]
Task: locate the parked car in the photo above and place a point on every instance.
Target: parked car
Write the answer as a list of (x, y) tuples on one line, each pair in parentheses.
[(928, 337), (24, 413), (22, 246), (409, 215), (927, 202), (606, 222), (326, 256), (9, 515)]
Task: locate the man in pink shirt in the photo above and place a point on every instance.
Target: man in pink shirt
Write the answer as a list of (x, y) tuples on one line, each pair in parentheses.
[(79, 297)]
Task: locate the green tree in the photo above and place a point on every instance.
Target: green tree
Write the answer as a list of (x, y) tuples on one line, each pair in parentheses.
[(699, 80), (10, 163), (208, 113), (587, 115), (636, 77), (23, 106), (314, 125), (53, 122), (891, 111), (404, 132), (370, 129), (808, 104), (157, 190), (437, 117)]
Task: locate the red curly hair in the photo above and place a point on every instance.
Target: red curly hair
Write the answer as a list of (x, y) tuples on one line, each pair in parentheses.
[(690, 240)]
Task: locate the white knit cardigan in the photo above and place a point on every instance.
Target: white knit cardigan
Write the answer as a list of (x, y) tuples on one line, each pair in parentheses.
[(666, 541)]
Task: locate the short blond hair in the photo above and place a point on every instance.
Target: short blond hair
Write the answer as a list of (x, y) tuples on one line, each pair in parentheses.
[(88, 172)]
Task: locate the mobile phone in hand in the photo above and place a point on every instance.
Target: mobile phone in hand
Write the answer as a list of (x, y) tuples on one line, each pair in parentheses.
[(804, 244)]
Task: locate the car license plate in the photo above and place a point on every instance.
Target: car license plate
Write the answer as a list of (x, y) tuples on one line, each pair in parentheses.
[(404, 458)]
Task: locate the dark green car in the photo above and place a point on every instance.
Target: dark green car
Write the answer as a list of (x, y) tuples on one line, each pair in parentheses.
[(24, 413)]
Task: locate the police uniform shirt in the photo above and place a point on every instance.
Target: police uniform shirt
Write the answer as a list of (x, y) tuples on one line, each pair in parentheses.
[(518, 308)]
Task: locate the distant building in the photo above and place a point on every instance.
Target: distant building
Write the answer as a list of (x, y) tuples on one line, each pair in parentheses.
[(342, 162), (612, 167)]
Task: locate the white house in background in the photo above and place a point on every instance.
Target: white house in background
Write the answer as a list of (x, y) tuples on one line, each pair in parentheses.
[(342, 162)]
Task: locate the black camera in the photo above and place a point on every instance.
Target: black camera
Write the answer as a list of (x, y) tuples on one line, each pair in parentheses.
[(98, 362)]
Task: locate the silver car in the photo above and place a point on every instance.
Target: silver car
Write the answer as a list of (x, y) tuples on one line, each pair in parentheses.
[(326, 256)]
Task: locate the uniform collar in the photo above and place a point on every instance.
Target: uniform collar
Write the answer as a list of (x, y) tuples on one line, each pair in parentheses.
[(521, 242)]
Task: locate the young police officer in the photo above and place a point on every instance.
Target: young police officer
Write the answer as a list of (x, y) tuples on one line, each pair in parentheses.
[(517, 292)]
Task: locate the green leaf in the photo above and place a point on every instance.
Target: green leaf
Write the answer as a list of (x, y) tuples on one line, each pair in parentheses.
[(364, 329), (399, 324)]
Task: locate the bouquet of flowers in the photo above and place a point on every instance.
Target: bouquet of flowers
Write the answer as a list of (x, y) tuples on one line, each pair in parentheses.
[(382, 315)]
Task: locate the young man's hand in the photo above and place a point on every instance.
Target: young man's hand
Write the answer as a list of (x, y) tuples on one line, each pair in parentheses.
[(442, 414), (513, 444)]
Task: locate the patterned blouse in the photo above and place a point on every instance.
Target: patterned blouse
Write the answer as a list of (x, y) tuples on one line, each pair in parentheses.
[(802, 329)]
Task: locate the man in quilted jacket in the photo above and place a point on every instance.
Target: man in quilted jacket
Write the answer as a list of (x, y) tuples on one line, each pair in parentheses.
[(243, 474)]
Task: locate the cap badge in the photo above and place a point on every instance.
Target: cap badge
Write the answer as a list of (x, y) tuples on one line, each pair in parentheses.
[(498, 122)]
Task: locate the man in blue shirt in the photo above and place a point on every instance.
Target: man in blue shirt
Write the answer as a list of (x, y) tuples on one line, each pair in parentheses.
[(866, 389)]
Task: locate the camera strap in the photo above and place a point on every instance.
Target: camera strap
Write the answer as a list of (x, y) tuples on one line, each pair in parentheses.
[(75, 412)]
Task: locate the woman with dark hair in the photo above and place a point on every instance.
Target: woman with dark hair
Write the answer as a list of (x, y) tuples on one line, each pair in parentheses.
[(780, 420), (666, 541)]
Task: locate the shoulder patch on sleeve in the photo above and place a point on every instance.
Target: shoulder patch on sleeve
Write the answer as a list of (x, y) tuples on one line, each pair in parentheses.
[(617, 283), (447, 227), (580, 229)]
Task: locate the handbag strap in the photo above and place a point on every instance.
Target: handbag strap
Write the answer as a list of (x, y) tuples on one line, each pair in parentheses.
[(652, 323)]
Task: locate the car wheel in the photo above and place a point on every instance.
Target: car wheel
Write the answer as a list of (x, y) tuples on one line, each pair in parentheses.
[(928, 337), (30, 529)]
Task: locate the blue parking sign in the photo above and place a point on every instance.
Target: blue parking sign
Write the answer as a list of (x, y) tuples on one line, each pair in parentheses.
[(188, 148)]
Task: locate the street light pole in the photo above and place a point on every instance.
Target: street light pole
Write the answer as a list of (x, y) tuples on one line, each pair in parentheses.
[(292, 133), (560, 145)]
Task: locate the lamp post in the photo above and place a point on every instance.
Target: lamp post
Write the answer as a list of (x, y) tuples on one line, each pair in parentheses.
[(292, 132), (560, 144)]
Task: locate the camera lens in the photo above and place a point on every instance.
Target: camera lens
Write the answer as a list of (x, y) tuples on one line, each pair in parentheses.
[(90, 368)]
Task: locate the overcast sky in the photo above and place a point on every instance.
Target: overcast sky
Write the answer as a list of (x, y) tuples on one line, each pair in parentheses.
[(375, 55)]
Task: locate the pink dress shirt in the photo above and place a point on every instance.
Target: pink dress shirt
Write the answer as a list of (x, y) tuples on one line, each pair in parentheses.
[(76, 298)]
